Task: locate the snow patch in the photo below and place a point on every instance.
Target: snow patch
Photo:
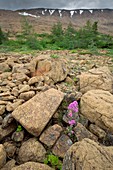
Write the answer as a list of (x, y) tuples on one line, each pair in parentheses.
[(27, 14), (101, 10), (91, 11), (72, 13), (81, 11), (43, 13), (76, 12), (60, 12), (51, 11), (45, 10)]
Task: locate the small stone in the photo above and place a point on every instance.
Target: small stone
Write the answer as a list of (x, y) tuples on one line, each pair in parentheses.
[(36, 79), (62, 145), (19, 76), (7, 131), (4, 67), (11, 84), (25, 88), (1, 119), (7, 120), (12, 106), (9, 165), (27, 95), (50, 135), (5, 94), (18, 136), (2, 109), (2, 156), (5, 75), (15, 91), (8, 98), (10, 149), (3, 102)]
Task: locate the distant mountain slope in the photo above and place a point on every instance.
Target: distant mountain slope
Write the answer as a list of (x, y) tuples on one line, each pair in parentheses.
[(43, 19)]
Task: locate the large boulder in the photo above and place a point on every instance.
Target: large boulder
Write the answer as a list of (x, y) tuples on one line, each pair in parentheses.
[(88, 155), (32, 166), (97, 78), (97, 106), (37, 112), (31, 150), (55, 69)]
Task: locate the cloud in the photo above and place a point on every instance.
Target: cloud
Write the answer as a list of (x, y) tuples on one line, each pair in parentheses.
[(67, 4)]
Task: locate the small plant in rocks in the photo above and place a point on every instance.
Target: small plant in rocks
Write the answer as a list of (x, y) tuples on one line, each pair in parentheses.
[(19, 128), (53, 161), (73, 118)]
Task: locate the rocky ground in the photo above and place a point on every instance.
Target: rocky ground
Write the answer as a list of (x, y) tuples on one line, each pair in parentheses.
[(35, 91)]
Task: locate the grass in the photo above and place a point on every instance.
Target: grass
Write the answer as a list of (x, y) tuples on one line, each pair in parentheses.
[(85, 41)]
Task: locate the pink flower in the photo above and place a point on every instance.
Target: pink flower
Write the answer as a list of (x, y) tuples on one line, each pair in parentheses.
[(73, 106), (70, 114), (72, 122)]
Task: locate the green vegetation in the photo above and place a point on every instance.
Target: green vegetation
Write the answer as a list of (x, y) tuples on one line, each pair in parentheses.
[(87, 38), (19, 128), (3, 36), (54, 56), (53, 161)]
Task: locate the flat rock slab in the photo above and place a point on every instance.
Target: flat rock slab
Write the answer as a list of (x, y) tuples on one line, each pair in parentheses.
[(37, 112)]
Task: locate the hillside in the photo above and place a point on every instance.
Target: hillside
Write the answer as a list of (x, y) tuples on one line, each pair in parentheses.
[(43, 19)]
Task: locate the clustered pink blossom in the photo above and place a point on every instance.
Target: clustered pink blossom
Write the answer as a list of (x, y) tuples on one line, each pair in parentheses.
[(73, 106), (72, 122)]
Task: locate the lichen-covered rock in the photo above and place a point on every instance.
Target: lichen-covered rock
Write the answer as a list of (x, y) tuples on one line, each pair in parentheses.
[(97, 78), (50, 135), (88, 155), (37, 112), (81, 132), (2, 156), (97, 131), (97, 106), (62, 145), (32, 166), (31, 150)]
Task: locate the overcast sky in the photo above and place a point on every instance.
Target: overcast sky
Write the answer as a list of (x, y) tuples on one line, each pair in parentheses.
[(67, 4)]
